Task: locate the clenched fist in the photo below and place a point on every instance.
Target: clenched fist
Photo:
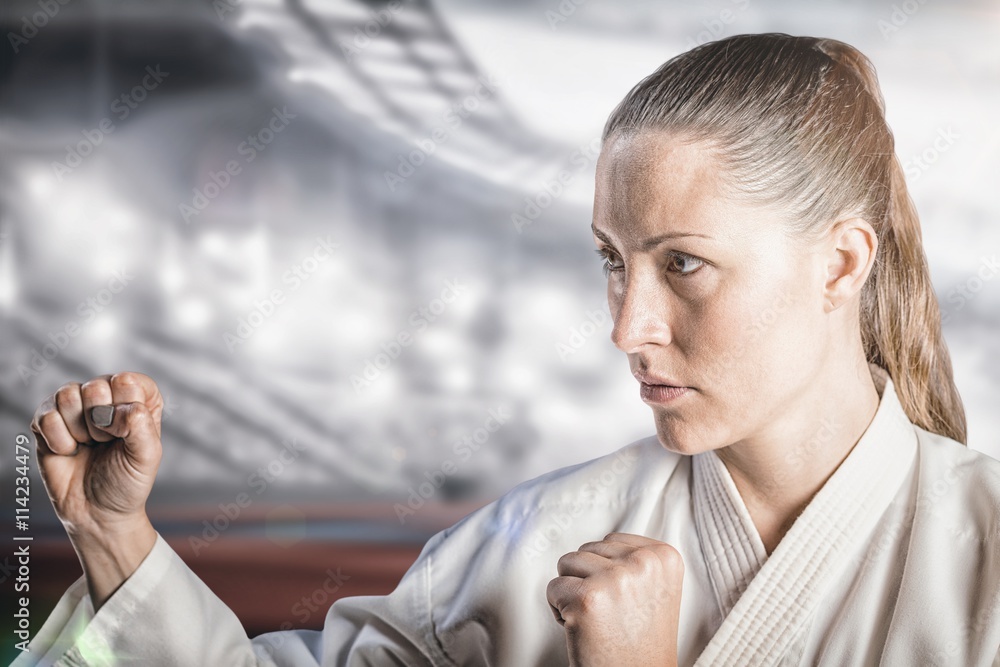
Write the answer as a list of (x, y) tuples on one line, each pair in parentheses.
[(619, 602), (98, 451)]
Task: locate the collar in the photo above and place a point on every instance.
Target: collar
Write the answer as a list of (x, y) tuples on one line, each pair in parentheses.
[(764, 600)]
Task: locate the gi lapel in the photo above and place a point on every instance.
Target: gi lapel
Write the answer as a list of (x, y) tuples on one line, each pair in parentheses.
[(730, 543), (765, 619)]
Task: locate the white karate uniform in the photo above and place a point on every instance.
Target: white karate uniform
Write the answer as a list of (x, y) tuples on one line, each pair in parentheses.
[(895, 561)]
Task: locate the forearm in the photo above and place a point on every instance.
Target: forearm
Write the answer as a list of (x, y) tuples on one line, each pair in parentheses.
[(110, 556)]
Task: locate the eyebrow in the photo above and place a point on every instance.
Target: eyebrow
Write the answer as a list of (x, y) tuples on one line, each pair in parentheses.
[(649, 244)]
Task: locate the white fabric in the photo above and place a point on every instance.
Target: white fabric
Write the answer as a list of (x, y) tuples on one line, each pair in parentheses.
[(896, 561)]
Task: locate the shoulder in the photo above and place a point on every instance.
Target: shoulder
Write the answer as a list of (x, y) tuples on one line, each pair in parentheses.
[(949, 468), (960, 488), (953, 550), (581, 498)]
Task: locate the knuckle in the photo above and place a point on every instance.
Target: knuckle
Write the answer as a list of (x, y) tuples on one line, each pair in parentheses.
[(551, 589), (94, 388), (646, 559), (67, 395), (49, 420), (670, 560), (589, 598), (564, 560), (138, 415), (124, 380), (670, 556)]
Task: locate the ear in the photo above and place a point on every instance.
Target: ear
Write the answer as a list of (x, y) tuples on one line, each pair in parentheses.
[(851, 247)]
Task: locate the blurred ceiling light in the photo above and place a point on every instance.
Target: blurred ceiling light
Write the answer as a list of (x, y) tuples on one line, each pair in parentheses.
[(268, 340), (194, 312), (441, 340), (457, 377), (255, 243), (118, 217), (240, 297), (172, 278), (353, 327), (108, 257), (297, 75), (39, 182), (214, 244), (105, 326), (519, 377)]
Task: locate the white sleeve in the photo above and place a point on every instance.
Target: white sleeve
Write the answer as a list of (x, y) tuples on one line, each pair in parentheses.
[(165, 615)]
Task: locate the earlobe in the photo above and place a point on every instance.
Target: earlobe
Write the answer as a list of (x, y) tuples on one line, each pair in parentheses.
[(853, 244)]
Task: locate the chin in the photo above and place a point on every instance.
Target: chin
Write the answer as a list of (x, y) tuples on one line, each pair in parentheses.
[(680, 445), (680, 438)]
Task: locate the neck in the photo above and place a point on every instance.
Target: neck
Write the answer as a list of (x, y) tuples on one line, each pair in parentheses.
[(778, 472)]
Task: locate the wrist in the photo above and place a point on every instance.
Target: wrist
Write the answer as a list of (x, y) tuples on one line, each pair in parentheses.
[(111, 553), (107, 530)]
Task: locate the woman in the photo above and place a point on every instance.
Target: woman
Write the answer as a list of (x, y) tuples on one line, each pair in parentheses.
[(806, 499)]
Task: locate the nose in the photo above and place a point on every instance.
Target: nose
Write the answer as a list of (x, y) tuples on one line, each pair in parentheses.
[(640, 312)]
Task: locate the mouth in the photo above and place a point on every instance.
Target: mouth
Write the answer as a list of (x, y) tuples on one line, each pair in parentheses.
[(659, 390)]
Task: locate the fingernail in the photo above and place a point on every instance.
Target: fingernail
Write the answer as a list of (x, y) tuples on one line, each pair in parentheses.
[(102, 415)]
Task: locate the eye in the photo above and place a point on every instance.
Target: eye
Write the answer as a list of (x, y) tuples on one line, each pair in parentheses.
[(683, 264), (611, 261)]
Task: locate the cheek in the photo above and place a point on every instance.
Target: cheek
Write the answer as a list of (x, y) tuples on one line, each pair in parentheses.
[(747, 339)]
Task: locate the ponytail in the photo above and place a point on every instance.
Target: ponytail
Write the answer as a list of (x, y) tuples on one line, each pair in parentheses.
[(901, 321), (900, 316)]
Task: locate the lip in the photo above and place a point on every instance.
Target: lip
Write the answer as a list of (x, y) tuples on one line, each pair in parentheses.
[(649, 378), (655, 389), (661, 394)]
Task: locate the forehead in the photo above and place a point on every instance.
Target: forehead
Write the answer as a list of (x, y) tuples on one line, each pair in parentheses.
[(656, 182)]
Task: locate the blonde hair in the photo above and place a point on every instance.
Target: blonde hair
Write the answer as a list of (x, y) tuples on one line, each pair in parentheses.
[(800, 122)]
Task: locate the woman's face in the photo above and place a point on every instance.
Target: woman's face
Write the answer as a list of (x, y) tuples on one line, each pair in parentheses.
[(707, 292)]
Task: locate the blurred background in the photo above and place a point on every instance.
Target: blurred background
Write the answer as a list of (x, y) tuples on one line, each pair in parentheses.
[(350, 242)]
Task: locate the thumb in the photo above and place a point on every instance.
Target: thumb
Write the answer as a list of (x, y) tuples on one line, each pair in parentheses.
[(134, 424)]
